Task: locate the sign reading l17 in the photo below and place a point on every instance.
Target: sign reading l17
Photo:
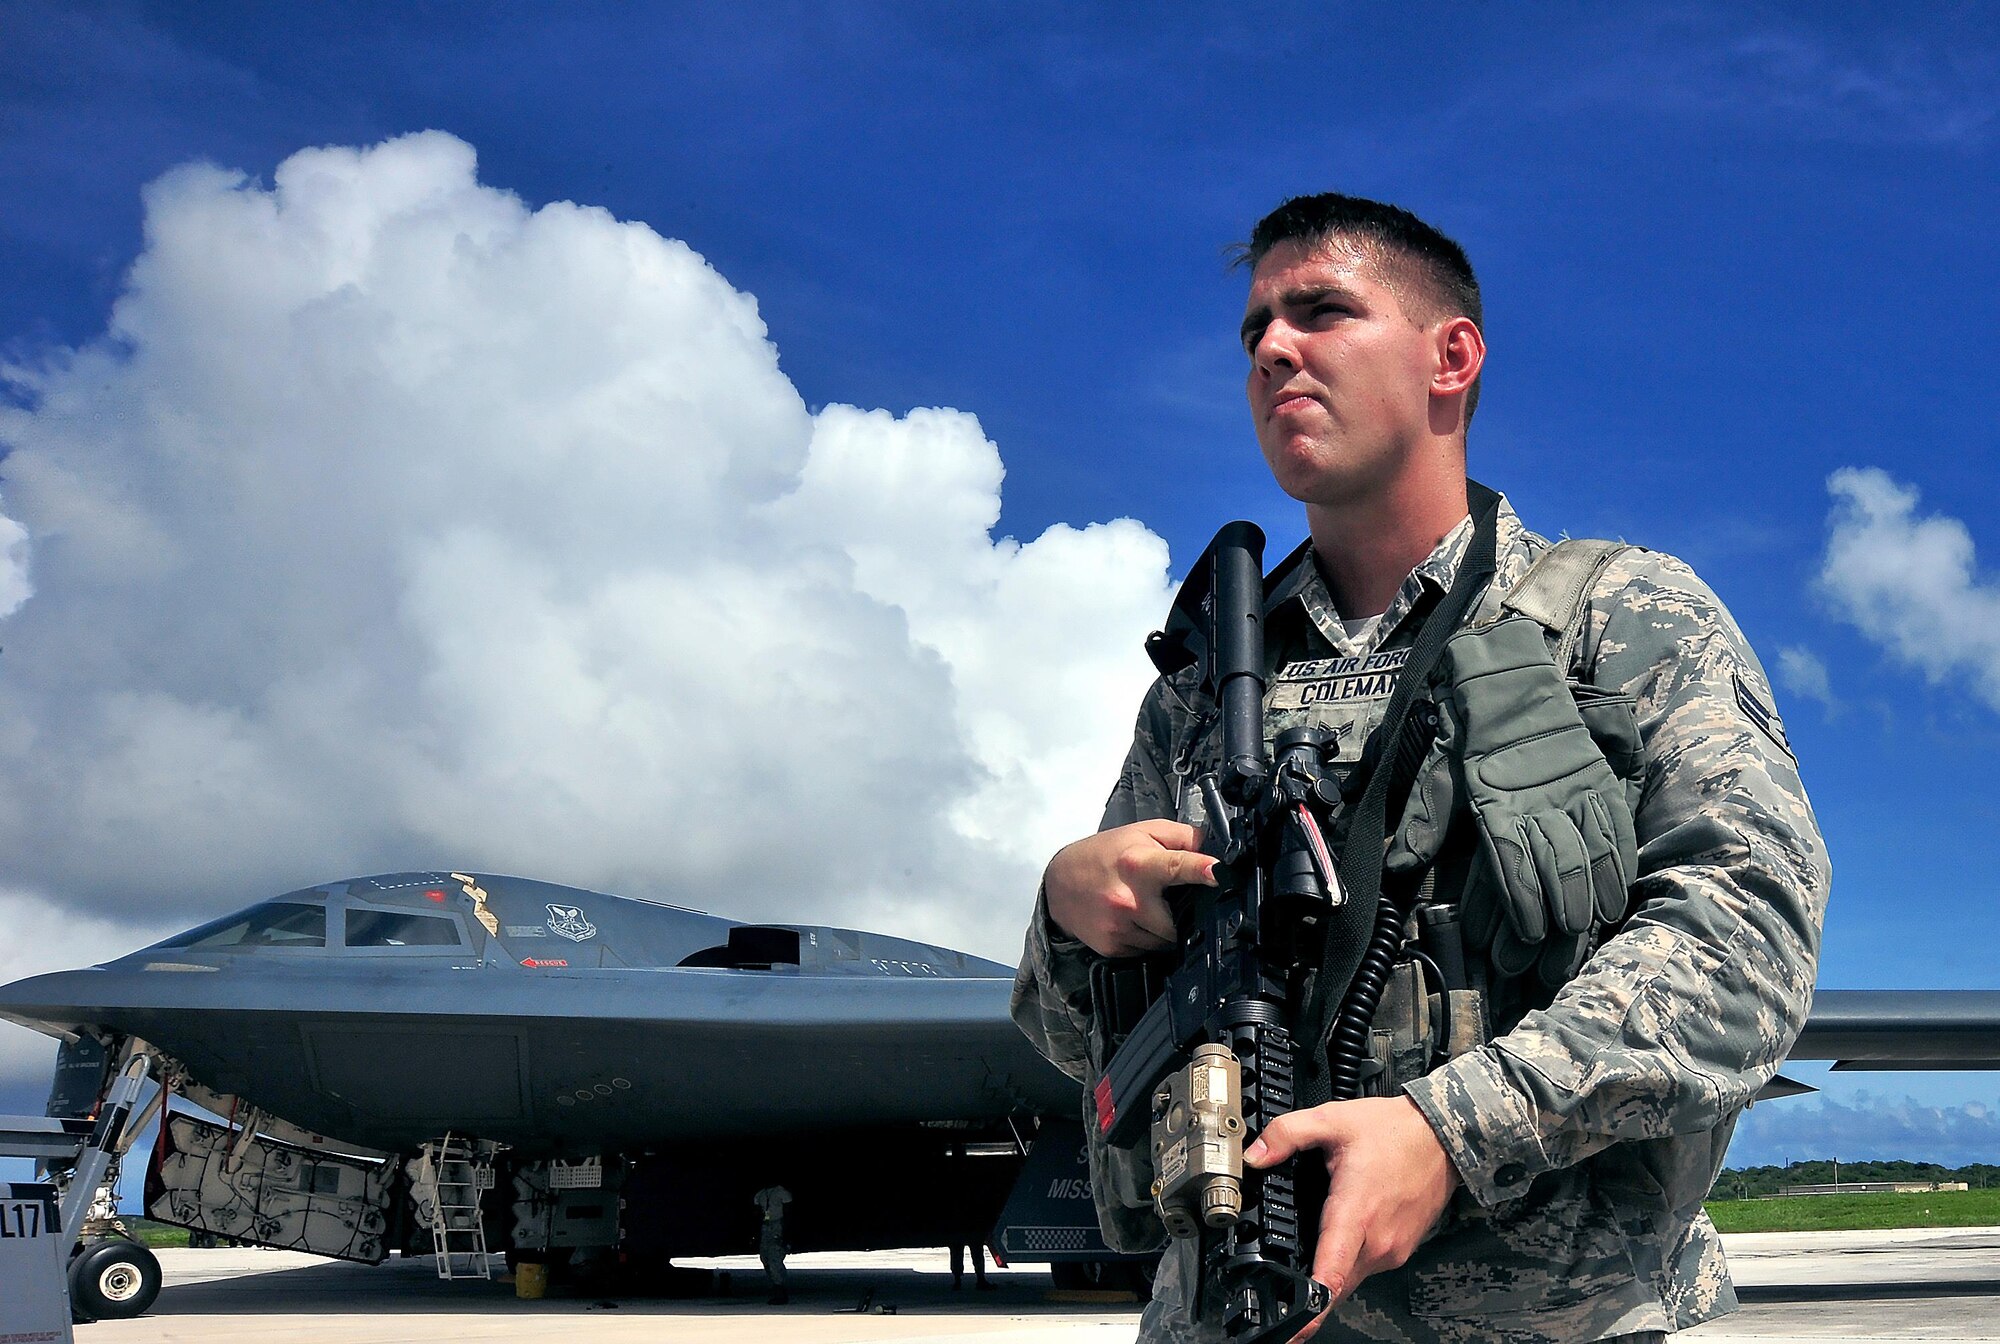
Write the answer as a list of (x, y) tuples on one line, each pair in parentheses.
[(34, 1301)]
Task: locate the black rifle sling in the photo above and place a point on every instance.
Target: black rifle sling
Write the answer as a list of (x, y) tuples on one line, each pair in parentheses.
[(1348, 929)]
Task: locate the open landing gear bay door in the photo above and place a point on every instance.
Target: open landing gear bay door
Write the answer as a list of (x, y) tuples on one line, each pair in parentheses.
[(238, 1184), (1049, 1217)]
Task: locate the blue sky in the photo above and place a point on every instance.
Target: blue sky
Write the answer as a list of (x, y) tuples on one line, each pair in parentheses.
[(1726, 251)]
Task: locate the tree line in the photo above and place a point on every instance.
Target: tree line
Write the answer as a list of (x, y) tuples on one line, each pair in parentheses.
[(1751, 1182)]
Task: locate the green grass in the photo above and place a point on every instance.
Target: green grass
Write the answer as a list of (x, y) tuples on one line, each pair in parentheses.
[(1830, 1213), (155, 1234)]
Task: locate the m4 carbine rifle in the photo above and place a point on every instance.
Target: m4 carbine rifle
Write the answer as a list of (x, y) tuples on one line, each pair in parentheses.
[(1203, 1047), (1206, 1055)]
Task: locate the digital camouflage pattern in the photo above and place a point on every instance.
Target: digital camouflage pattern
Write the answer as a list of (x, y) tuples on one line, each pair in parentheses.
[(1588, 1133)]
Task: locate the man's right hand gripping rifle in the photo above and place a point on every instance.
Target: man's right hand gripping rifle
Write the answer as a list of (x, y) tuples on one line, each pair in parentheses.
[(1211, 951)]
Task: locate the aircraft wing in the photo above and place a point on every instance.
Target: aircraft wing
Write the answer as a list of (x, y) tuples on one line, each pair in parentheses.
[(387, 1010), (390, 1009), (379, 1055), (1903, 1029)]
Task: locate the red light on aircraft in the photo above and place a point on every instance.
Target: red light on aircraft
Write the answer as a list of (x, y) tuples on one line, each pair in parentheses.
[(434, 895)]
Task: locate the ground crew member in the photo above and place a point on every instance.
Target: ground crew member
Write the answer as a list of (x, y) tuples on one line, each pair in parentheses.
[(968, 1235), (1624, 847), (978, 1249), (771, 1201)]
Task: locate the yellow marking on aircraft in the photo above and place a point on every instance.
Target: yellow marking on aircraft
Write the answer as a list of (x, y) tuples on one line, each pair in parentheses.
[(479, 910)]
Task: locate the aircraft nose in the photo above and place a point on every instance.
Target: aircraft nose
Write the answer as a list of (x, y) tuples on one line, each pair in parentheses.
[(43, 1003)]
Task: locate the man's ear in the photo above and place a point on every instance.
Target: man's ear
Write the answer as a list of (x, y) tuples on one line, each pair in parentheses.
[(1461, 354)]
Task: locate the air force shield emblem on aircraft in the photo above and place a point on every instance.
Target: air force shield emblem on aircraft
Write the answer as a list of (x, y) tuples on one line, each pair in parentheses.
[(567, 921)]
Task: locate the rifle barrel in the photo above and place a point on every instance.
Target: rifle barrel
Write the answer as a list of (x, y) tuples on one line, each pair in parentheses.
[(1238, 642)]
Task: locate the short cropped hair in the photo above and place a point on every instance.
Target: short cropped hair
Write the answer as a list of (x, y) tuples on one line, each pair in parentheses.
[(1429, 272)]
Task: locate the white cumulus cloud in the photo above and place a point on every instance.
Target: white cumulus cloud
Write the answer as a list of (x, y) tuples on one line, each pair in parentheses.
[(43, 936), (393, 523), (1912, 584), (14, 586), (1804, 674), (1869, 1128)]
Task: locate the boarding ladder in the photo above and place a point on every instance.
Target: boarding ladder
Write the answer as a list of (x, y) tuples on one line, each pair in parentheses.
[(460, 1173)]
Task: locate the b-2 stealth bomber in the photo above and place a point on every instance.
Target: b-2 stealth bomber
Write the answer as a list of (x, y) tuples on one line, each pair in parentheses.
[(457, 1062)]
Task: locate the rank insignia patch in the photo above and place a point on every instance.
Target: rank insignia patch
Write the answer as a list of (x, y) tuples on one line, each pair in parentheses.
[(1762, 715)]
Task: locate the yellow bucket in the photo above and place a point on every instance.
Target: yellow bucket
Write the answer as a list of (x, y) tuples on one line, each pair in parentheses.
[(530, 1280)]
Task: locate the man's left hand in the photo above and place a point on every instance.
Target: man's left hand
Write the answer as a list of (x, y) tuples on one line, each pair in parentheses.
[(1388, 1181)]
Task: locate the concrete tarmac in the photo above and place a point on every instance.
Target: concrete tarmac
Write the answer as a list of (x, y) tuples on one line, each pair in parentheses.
[(1857, 1286), (283, 1296), (1930, 1283)]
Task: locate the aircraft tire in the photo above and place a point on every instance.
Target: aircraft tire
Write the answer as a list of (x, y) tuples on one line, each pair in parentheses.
[(113, 1280)]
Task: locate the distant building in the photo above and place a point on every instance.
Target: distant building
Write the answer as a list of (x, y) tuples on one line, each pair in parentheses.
[(1869, 1188)]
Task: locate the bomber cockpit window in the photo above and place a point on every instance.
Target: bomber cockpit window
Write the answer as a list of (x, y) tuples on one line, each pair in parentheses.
[(276, 924), (396, 928)]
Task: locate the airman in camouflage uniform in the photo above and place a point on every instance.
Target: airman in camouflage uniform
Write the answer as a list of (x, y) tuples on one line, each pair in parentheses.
[(1584, 1135)]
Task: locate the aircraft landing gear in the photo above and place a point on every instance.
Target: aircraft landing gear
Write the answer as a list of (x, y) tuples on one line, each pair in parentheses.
[(113, 1280)]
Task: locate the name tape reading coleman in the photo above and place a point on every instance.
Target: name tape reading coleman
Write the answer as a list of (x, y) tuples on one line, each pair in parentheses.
[(1336, 681)]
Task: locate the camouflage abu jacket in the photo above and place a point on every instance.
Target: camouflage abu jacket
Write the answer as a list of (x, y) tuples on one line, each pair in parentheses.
[(1588, 1134)]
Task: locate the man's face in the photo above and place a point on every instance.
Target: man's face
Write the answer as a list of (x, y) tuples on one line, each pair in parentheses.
[(1340, 375)]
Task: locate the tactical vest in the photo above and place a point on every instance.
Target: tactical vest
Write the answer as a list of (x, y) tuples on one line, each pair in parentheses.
[(1517, 830), (1556, 774)]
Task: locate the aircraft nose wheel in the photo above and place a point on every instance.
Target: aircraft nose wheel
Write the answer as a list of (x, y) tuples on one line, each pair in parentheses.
[(113, 1280)]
